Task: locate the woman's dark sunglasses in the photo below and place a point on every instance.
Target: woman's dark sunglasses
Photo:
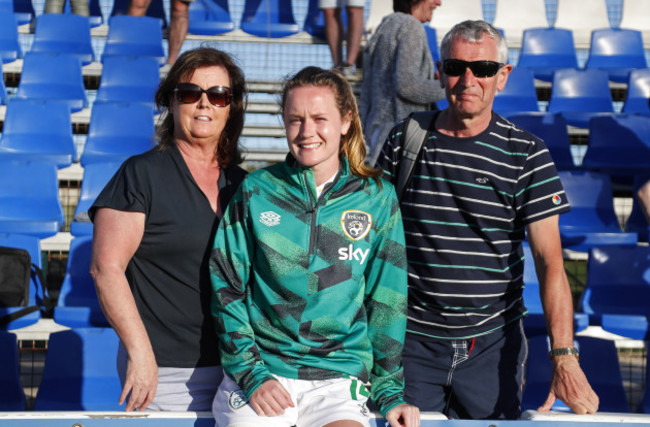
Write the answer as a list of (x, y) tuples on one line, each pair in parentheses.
[(189, 93), (456, 67)]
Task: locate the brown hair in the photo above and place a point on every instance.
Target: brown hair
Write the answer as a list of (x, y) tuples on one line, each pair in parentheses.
[(227, 152), (404, 6), (353, 146)]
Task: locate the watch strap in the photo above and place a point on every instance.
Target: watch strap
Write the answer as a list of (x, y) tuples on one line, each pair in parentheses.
[(564, 351)]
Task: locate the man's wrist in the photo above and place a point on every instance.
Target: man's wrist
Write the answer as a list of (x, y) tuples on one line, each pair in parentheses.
[(564, 351)]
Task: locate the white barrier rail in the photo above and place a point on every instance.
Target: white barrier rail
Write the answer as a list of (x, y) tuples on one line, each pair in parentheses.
[(204, 419)]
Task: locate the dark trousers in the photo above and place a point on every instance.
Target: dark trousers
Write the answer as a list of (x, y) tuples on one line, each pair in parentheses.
[(479, 378)]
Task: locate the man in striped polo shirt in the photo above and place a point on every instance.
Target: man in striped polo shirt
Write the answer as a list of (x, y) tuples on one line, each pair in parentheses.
[(479, 185)]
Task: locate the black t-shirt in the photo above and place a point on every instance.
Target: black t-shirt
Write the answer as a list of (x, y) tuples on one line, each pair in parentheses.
[(169, 274)]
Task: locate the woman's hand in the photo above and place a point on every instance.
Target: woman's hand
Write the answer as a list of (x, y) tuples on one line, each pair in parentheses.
[(404, 415), (141, 381), (271, 399)]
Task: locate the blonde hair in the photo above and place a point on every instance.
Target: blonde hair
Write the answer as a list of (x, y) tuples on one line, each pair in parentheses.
[(353, 146)]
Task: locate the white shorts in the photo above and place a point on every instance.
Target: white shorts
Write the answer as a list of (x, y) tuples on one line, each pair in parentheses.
[(316, 403), (331, 4)]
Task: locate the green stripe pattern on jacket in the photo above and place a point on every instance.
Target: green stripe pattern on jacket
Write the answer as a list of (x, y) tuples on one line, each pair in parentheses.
[(311, 288)]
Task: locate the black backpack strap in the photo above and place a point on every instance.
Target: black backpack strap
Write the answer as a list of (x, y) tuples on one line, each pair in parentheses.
[(4, 320), (415, 134), (48, 302)]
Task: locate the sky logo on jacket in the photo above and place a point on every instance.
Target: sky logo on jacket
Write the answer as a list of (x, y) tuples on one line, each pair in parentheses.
[(356, 225), (349, 254)]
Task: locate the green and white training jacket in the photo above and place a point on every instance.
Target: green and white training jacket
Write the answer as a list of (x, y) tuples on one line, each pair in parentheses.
[(311, 288)]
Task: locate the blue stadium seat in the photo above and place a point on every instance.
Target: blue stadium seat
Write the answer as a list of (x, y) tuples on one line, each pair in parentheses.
[(109, 143), (580, 95), (156, 10), (315, 21), (136, 36), (129, 79), (78, 306), (12, 396), (619, 145), (53, 76), (545, 50), (36, 293), (95, 177), (617, 51), (22, 10), (599, 362), (10, 49), (269, 18), (63, 33), (617, 292), (592, 220), (30, 205), (432, 38), (50, 141), (637, 222), (518, 95), (210, 17), (638, 92), (552, 128), (535, 323), (95, 18), (80, 372), (3, 91)]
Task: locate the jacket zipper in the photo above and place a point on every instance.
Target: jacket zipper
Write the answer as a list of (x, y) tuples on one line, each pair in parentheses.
[(313, 233)]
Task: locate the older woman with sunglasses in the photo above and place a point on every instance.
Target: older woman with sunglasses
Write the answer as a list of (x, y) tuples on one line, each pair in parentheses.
[(154, 224)]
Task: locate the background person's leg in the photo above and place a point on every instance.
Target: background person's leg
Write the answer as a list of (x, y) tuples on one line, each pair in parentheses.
[(54, 6), (177, 28), (138, 7), (355, 32), (334, 33)]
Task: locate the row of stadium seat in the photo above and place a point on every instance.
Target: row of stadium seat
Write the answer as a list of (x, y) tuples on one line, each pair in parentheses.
[(272, 18), (55, 141), (514, 16), (616, 50), (275, 18), (80, 373), (616, 297), (117, 130), (70, 34), (32, 205), (545, 50), (129, 78)]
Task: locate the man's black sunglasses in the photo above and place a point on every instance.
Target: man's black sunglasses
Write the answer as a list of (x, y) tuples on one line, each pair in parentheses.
[(188, 93), (457, 67)]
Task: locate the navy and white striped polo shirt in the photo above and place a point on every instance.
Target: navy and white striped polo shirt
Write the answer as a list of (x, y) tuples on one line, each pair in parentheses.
[(465, 212)]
